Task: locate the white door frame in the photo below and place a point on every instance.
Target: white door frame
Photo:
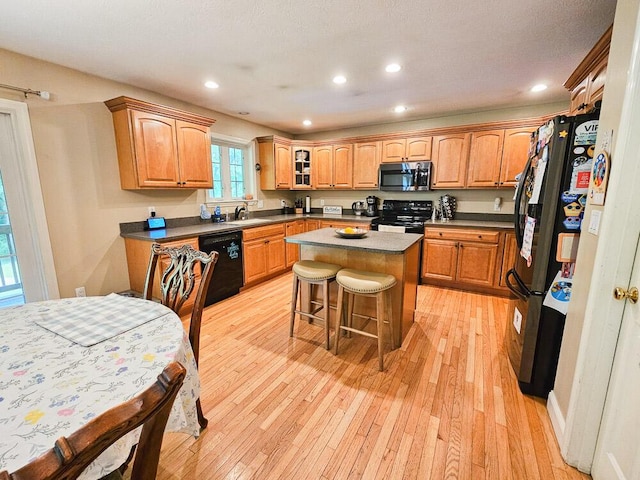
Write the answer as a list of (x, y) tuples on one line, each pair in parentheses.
[(28, 220), (619, 232)]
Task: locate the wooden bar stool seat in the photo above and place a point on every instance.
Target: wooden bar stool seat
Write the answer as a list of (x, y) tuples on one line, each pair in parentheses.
[(368, 284), (313, 273)]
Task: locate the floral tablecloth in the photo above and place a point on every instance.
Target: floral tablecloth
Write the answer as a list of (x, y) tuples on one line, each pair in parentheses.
[(50, 386)]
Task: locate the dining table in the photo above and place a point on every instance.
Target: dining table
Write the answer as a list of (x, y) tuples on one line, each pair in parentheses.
[(64, 362)]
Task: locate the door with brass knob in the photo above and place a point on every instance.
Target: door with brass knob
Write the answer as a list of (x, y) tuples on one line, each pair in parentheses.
[(620, 293)]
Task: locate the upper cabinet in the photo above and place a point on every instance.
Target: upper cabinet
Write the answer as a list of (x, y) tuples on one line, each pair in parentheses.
[(161, 147), (407, 149), (485, 157), (366, 161), (301, 168), (450, 154), (586, 83), (515, 153), (333, 166), (275, 163)]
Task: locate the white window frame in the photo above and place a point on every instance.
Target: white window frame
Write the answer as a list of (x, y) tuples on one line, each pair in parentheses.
[(249, 177)]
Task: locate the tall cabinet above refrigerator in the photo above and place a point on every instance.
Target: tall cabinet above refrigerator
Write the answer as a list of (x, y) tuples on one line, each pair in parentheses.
[(550, 199)]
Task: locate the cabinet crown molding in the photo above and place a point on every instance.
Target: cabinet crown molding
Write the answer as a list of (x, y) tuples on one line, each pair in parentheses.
[(599, 51), (122, 103)]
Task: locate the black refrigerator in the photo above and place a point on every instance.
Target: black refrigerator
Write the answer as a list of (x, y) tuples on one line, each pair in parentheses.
[(549, 204)]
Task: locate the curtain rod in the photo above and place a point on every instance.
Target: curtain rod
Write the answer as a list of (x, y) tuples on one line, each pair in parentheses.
[(27, 91)]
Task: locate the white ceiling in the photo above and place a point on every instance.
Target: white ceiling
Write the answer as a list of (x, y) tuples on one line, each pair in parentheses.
[(276, 58)]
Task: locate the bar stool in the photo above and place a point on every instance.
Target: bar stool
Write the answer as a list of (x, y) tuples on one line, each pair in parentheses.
[(313, 273), (366, 284)]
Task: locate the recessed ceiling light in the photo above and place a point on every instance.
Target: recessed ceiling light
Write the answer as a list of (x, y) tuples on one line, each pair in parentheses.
[(339, 79), (307, 123), (393, 68), (211, 84), (243, 113), (400, 109), (538, 88)]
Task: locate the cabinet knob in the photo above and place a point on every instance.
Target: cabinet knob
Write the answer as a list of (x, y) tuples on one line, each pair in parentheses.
[(177, 183), (479, 236), (495, 183)]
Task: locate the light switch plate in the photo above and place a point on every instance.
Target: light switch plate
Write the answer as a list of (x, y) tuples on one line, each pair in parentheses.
[(332, 210), (594, 222)]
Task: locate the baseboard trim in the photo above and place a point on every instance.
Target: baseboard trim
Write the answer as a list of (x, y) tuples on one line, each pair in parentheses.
[(557, 419)]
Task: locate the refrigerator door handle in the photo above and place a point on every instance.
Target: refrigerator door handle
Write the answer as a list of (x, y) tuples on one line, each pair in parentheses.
[(519, 193), (521, 291)]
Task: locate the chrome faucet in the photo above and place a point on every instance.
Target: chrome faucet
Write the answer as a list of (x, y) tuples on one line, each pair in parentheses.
[(238, 211)]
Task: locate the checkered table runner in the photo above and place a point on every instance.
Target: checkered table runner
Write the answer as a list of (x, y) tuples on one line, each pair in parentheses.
[(100, 318)]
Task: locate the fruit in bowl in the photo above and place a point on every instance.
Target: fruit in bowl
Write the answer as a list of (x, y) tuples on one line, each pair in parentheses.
[(350, 230)]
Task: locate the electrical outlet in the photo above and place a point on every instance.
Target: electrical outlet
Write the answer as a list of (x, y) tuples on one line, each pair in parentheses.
[(152, 211), (260, 203), (80, 292), (322, 202)]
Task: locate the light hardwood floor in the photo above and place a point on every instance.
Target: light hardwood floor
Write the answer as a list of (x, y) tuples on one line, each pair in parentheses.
[(447, 406)]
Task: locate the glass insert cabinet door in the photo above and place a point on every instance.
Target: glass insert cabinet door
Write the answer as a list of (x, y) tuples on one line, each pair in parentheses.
[(301, 168)]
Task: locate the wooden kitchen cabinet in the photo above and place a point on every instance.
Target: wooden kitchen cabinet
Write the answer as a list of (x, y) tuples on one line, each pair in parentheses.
[(160, 147), (333, 166), (366, 161), (463, 258), (450, 157), (274, 158), (409, 149), (515, 153), (508, 256), (342, 224), (302, 175), (485, 157), (263, 250), (586, 83), (138, 255), (292, 249), (311, 224)]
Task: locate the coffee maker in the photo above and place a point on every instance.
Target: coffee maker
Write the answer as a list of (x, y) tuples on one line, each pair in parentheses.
[(372, 206)]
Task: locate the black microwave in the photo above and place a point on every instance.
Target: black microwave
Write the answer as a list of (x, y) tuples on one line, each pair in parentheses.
[(405, 176)]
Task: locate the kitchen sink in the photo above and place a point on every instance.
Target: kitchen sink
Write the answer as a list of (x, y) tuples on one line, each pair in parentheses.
[(250, 221)]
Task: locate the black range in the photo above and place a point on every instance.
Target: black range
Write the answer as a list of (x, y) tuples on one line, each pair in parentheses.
[(410, 214)]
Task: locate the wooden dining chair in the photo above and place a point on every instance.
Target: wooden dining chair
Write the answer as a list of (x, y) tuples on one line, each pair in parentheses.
[(73, 454), (177, 282)]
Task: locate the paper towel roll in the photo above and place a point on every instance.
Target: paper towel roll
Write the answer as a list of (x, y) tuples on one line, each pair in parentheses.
[(307, 208)]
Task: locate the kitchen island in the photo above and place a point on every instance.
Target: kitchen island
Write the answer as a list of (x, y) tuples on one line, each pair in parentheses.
[(397, 254)]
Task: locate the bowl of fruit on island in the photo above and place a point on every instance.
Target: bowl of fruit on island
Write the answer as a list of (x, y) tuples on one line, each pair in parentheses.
[(351, 232)]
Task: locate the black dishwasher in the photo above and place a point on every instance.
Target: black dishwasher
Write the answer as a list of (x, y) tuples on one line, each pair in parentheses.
[(227, 274)]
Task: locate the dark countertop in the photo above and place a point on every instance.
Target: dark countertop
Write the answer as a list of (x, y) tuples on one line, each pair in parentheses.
[(204, 228), (377, 242)]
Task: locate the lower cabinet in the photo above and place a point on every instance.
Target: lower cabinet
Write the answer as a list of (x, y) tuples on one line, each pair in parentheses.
[(464, 258), (263, 250), (508, 256), (339, 224), (138, 255), (292, 249), (310, 224)]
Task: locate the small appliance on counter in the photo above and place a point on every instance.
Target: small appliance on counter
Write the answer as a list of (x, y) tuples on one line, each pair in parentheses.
[(372, 206), (358, 208)]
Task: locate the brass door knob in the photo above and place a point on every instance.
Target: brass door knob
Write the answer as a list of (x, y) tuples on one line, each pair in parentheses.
[(620, 293)]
